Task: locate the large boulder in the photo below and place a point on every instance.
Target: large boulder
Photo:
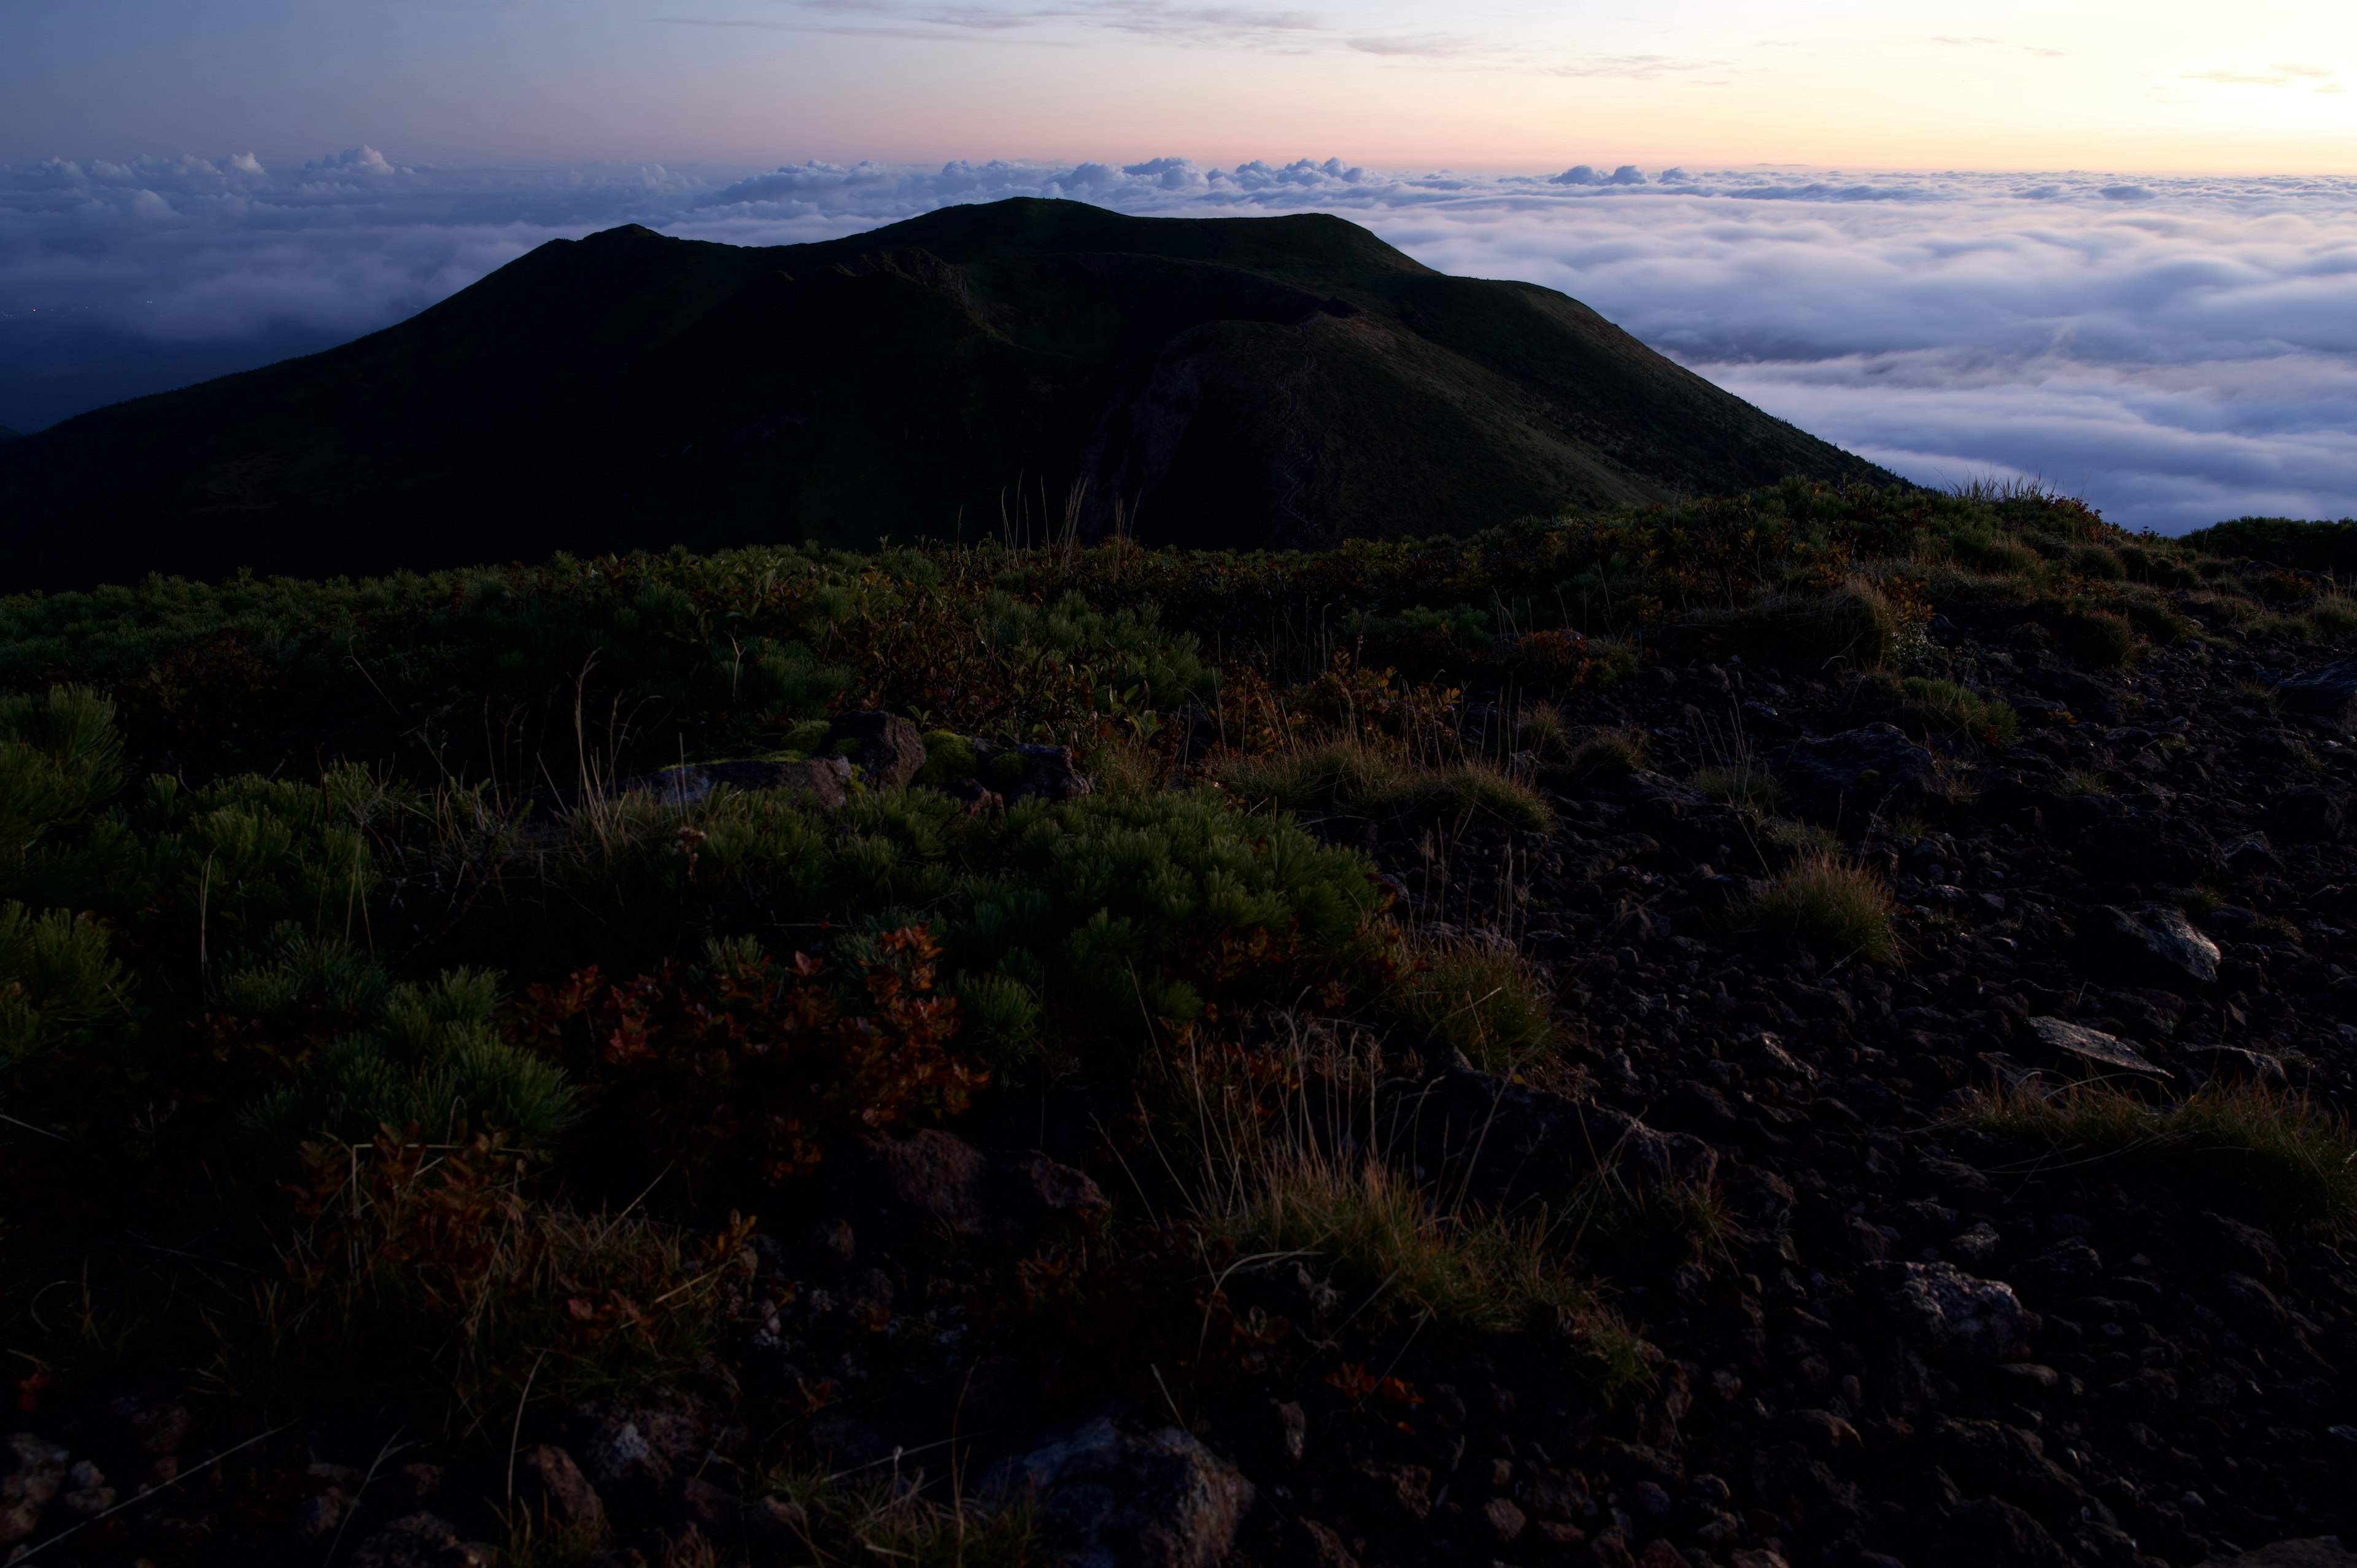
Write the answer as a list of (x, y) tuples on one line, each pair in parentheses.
[(1108, 1496), (2145, 846), (821, 778), (1511, 1142), (2310, 1551), (1874, 770), (1016, 773), (554, 1491), (2108, 1052), (901, 1189), (886, 748), (2328, 692)]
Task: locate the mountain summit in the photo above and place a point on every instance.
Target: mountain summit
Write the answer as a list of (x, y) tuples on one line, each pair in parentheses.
[(1244, 381)]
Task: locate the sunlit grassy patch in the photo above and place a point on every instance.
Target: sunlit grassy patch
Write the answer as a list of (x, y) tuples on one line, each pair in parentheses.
[(2291, 1158)]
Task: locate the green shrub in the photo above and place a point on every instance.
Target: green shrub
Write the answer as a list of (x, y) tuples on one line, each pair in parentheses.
[(55, 974), (2095, 560), (2311, 546), (387, 1053), (948, 756), (60, 756), (1853, 622), (2101, 638), (1984, 549), (2157, 621)]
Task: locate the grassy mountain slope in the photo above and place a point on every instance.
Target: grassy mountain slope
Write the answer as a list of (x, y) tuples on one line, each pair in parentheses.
[(1225, 381)]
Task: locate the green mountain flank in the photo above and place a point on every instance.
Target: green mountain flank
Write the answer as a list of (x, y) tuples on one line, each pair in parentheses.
[(1008, 369)]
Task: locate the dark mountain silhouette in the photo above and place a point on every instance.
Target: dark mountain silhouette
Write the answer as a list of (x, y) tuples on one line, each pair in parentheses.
[(1208, 381)]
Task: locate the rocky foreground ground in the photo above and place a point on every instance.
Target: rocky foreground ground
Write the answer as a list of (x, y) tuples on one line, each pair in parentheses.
[(1906, 1340)]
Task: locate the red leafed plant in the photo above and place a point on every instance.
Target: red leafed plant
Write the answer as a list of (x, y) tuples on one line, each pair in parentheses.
[(424, 1273), (743, 1070)]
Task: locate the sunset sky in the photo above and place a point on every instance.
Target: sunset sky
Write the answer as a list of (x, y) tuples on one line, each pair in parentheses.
[(2111, 246), (2132, 85)]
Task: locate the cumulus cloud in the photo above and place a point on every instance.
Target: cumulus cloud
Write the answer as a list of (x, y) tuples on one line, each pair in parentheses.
[(2176, 349)]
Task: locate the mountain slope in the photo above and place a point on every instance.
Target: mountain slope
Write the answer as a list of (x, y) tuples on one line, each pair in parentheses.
[(1229, 382)]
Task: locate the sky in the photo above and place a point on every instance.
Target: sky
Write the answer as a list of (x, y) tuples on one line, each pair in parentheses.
[(2111, 246)]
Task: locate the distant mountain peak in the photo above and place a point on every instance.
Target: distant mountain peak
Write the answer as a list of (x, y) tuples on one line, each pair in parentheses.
[(1014, 366)]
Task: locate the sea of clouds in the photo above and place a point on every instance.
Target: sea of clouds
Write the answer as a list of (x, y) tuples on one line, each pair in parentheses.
[(2175, 349)]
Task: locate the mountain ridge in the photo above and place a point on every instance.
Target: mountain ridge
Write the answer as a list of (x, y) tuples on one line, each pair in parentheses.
[(1261, 381)]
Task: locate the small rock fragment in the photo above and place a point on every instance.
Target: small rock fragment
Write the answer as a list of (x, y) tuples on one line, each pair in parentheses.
[(2156, 940), (421, 1541), (1114, 1498), (1956, 1313)]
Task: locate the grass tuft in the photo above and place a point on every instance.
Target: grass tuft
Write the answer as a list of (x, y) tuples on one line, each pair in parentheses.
[(1354, 777), (899, 1520), (1946, 708), (2290, 1159), (1611, 752), (1741, 784), (1486, 1000), (1830, 900)]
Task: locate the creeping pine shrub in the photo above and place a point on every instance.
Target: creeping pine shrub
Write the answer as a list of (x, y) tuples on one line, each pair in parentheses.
[(740, 1071), (432, 1279), (55, 975), (60, 756), (355, 1051)]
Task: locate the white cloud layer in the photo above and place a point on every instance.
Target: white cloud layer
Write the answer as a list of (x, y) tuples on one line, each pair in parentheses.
[(2176, 349)]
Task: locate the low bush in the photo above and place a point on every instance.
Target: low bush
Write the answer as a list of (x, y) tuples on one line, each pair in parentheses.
[(2276, 1151), (739, 1073), (2312, 546), (1854, 623), (1830, 900), (56, 974), (431, 1278), (2098, 637)]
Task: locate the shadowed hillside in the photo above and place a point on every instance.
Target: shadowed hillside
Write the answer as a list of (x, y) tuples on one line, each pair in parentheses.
[(1247, 382)]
